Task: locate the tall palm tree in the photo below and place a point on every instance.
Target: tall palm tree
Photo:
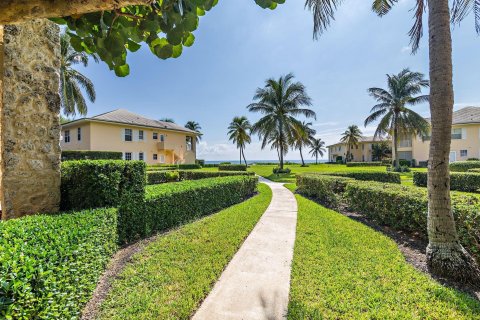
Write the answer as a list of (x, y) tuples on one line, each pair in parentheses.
[(445, 255), (351, 137), (302, 136), (317, 148), (72, 82), (194, 126), (280, 102), (239, 132), (395, 118), (380, 150)]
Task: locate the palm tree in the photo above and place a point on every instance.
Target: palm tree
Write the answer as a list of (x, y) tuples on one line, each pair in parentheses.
[(280, 101), (302, 136), (351, 137), (395, 117), (380, 150), (445, 255), (194, 126), (239, 132), (317, 148), (169, 120), (72, 82)]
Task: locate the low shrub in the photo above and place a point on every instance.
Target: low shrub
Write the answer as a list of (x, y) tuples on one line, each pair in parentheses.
[(50, 264), (477, 170), (389, 177), (365, 164), (200, 162), (158, 177), (460, 181), (89, 184), (281, 171), (232, 167), (423, 164), (387, 162), (326, 189), (91, 155), (186, 166), (464, 166), (399, 169), (405, 163), (473, 159), (169, 205)]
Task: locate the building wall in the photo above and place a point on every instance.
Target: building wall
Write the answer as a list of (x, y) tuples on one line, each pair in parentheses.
[(110, 137), (75, 144), (29, 113), (361, 153)]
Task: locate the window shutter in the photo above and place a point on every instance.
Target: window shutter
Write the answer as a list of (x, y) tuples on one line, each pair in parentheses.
[(122, 135), (135, 135), (464, 133)]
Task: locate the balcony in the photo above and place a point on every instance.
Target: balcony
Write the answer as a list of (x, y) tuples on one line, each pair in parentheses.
[(163, 146)]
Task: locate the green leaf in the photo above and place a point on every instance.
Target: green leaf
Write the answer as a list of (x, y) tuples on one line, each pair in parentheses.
[(122, 71), (133, 46), (177, 51), (189, 40)]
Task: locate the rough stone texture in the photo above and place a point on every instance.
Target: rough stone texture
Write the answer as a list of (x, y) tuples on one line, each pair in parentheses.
[(29, 119)]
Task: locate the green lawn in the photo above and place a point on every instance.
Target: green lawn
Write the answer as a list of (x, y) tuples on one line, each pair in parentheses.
[(173, 274), (342, 269)]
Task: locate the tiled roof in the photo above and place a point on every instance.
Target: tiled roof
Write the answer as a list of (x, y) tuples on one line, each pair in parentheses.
[(465, 115), (127, 117)]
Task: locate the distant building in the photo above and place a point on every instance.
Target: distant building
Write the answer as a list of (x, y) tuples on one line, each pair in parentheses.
[(362, 152), (465, 141), (137, 137)]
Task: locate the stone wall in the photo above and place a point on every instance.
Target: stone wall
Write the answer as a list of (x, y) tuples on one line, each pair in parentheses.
[(29, 119)]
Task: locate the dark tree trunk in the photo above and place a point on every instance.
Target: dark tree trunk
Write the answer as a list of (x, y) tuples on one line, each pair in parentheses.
[(301, 156)]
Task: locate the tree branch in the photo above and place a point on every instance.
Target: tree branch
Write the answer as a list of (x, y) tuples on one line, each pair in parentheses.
[(16, 11)]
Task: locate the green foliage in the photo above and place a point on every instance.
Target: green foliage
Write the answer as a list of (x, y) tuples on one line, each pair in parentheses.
[(169, 205), (175, 272), (278, 170), (91, 155), (389, 177), (343, 269), (50, 264), (99, 183), (158, 177), (165, 26), (326, 189), (232, 167), (399, 169), (464, 166), (460, 181), (189, 166), (365, 164), (405, 163), (200, 162)]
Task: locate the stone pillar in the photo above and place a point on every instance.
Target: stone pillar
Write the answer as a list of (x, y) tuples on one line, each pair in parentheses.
[(29, 119)]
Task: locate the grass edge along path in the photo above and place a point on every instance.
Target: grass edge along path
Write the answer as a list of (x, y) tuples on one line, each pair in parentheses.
[(172, 275), (343, 269)]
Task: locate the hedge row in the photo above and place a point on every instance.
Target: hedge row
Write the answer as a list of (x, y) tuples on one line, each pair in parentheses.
[(460, 181), (232, 167), (189, 166), (464, 166), (50, 264), (157, 177), (390, 177), (99, 183), (169, 205), (91, 155), (400, 207), (365, 164)]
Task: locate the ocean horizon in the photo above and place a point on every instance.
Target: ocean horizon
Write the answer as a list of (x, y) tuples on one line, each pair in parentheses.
[(262, 161)]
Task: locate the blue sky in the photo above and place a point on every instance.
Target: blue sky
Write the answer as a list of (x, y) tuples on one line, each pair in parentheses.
[(239, 45)]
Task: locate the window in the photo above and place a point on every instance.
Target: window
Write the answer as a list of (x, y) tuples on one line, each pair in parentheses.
[(363, 158), (140, 156), (162, 158), (155, 136), (128, 135), (457, 133), (162, 138), (79, 134), (155, 156), (128, 156), (140, 135), (189, 143), (463, 153), (363, 147), (66, 136)]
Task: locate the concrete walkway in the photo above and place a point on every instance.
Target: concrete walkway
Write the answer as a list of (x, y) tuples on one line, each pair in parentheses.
[(256, 283)]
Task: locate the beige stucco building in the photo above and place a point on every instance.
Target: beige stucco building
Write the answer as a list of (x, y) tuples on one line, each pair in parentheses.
[(465, 141), (137, 137), (362, 152)]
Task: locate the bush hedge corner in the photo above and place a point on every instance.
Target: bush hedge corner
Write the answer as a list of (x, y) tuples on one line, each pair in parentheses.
[(460, 181), (232, 167), (464, 166)]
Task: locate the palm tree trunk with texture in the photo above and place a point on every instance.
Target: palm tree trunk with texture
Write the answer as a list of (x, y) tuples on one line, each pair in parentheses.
[(301, 156), (245, 160), (445, 255), (396, 162)]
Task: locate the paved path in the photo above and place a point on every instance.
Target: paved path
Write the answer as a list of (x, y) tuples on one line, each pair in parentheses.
[(256, 283)]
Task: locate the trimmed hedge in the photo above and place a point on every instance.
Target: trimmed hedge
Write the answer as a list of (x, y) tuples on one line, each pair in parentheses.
[(365, 164), (91, 155), (232, 167), (50, 264), (158, 177), (477, 170), (326, 189), (99, 183), (189, 166), (464, 166), (390, 177), (460, 181), (169, 205)]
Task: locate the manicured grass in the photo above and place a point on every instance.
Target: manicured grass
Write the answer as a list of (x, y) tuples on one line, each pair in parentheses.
[(342, 269), (173, 274)]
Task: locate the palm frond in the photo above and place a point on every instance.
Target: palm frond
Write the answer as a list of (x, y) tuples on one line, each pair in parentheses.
[(323, 14)]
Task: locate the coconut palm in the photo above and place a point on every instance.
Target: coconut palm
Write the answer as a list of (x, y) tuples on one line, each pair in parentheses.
[(351, 137), (280, 102), (72, 82), (169, 120), (381, 150), (239, 132), (395, 118), (302, 136), (445, 255), (194, 126), (317, 148)]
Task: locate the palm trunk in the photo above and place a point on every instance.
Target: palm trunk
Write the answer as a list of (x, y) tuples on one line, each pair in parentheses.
[(243, 153), (445, 255), (316, 159), (240, 162), (301, 156), (281, 144), (396, 162)]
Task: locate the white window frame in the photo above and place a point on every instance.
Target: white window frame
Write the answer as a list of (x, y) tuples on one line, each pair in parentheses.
[(162, 138), (66, 136), (141, 135), (125, 156), (464, 155), (155, 156), (189, 143), (125, 135), (155, 136), (141, 156)]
